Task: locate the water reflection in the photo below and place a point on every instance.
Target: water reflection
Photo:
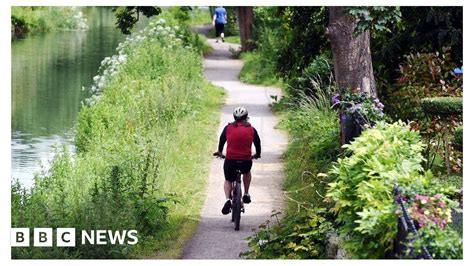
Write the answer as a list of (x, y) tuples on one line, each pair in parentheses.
[(48, 72)]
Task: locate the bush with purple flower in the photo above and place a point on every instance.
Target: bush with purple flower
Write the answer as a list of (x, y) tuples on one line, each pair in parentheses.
[(359, 110), (360, 107)]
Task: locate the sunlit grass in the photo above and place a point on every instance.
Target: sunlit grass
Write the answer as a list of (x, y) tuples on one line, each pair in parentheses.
[(233, 39), (200, 16), (257, 70)]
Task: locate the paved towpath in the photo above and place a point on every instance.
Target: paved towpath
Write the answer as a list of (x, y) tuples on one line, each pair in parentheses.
[(215, 237)]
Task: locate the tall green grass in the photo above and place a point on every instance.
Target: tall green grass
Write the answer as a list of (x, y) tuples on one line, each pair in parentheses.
[(141, 161), (260, 66), (313, 128), (303, 232), (259, 70)]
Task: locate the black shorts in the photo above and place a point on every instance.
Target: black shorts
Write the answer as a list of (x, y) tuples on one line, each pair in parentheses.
[(230, 166), (219, 29)]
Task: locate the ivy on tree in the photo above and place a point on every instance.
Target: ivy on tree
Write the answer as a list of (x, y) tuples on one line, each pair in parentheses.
[(128, 16), (375, 18)]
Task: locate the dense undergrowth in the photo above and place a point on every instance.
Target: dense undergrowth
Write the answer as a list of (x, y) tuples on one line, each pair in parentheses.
[(341, 202), (313, 146), (351, 198), (139, 165)]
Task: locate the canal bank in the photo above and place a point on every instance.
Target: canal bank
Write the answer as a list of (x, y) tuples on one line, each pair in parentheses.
[(140, 144), (48, 72)]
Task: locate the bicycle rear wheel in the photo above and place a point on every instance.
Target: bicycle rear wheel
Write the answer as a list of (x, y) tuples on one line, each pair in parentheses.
[(237, 206)]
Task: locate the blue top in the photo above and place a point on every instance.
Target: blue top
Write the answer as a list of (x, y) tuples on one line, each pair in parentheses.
[(458, 71), (220, 15)]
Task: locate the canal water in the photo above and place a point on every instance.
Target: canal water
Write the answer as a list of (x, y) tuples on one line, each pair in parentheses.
[(48, 72)]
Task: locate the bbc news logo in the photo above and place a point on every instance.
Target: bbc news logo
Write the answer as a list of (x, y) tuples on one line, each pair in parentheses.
[(66, 237)]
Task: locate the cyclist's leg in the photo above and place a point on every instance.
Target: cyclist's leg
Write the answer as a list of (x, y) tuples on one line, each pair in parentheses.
[(229, 173), (247, 179), (227, 189)]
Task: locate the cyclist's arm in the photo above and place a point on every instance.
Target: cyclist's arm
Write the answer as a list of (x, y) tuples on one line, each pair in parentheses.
[(256, 142), (222, 139)]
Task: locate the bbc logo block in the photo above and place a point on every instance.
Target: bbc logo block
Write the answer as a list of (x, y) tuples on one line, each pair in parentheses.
[(66, 237), (43, 237), (20, 237)]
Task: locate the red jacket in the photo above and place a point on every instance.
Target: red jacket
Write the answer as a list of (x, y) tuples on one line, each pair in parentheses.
[(239, 139)]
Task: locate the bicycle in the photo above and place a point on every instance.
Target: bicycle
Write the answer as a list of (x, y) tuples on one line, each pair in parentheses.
[(237, 206)]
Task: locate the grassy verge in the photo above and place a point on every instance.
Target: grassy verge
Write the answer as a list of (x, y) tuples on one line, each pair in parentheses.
[(233, 39), (205, 47), (259, 70), (186, 19), (140, 164), (200, 16), (313, 146), (188, 170), (42, 19)]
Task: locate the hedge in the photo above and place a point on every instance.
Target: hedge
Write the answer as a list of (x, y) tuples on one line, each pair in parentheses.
[(457, 141), (442, 105)]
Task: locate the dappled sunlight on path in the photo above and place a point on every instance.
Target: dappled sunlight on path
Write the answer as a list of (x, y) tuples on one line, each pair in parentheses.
[(215, 237)]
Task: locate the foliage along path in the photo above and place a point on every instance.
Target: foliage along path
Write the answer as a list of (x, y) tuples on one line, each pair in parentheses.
[(215, 237)]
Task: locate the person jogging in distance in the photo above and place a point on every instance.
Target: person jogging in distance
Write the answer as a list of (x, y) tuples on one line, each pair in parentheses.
[(219, 20), (239, 136)]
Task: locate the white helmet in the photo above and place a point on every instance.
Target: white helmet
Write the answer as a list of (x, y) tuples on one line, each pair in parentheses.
[(240, 113)]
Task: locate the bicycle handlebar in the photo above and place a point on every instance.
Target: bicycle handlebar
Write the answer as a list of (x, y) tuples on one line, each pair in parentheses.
[(218, 155), (221, 156)]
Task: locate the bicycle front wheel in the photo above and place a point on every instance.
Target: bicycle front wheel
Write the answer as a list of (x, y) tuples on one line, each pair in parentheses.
[(237, 207)]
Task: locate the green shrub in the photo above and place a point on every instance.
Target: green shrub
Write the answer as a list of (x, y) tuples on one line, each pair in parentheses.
[(444, 106), (457, 141), (319, 69), (421, 75), (299, 236), (442, 244), (362, 193), (18, 22), (446, 116), (47, 18)]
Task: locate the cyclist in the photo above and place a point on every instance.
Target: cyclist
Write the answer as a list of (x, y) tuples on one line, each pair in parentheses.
[(239, 136)]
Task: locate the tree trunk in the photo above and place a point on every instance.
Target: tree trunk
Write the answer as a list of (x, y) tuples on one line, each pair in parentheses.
[(352, 60), (245, 15), (351, 53)]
